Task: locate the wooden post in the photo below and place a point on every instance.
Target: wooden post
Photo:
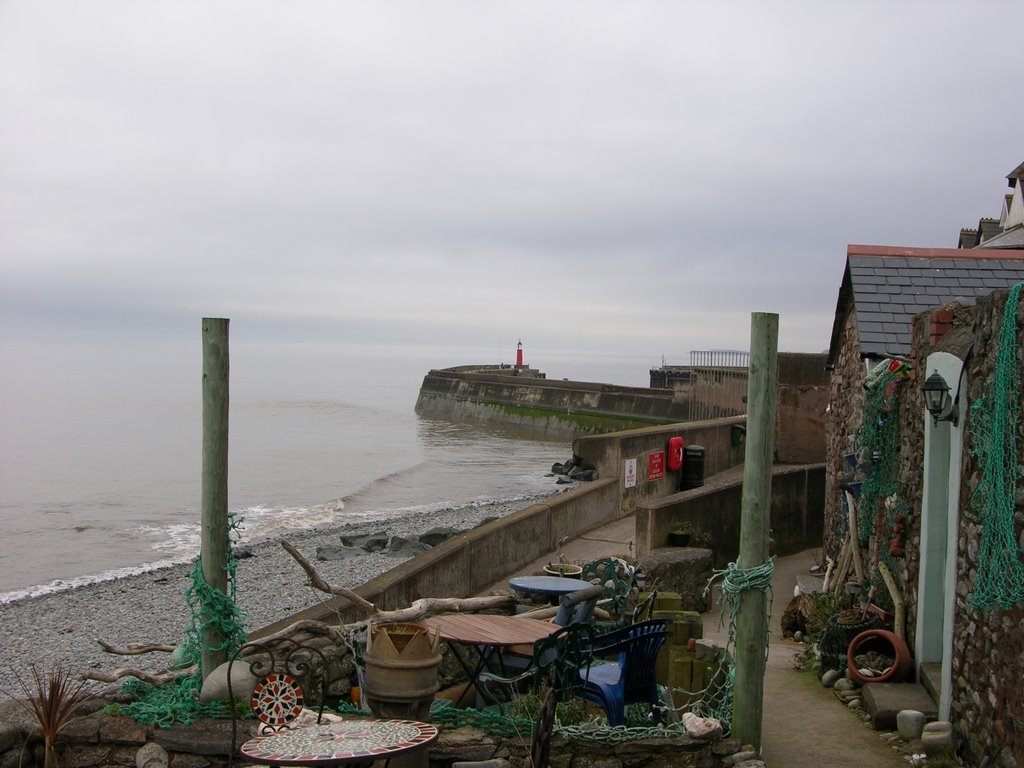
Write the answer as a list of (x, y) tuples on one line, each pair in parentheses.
[(755, 521), (214, 543)]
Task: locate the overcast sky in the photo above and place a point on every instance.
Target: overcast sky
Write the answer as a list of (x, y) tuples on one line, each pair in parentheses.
[(628, 176)]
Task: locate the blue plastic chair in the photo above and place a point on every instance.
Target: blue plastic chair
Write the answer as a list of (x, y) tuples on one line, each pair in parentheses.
[(629, 679)]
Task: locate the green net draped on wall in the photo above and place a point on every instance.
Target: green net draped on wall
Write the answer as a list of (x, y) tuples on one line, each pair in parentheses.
[(882, 495), (995, 440)]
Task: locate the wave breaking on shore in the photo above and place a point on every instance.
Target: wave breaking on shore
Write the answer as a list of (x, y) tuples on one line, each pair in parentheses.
[(148, 604)]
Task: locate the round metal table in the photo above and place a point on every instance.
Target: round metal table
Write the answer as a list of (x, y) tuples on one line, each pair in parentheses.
[(552, 586)]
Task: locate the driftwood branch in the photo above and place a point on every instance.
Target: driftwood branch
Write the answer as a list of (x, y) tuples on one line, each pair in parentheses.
[(146, 677), (308, 627), (316, 581), (427, 606), (419, 609), (423, 607), (899, 607), (136, 649), (858, 566)]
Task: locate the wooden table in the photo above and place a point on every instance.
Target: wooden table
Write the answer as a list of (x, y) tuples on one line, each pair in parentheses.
[(348, 742), (487, 633)]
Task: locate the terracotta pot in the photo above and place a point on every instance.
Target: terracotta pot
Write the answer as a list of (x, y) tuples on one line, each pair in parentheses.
[(401, 670), (888, 644)]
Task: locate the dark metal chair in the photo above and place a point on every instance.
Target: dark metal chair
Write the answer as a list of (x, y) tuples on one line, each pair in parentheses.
[(615, 578), (282, 668), (644, 610), (629, 678), (562, 660)]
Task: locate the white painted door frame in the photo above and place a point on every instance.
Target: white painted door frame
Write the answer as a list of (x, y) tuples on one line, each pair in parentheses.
[(940, 517)]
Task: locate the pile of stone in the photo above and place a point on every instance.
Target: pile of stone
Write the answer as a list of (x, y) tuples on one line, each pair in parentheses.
[(574, 470), (873, 664), (357, 545)]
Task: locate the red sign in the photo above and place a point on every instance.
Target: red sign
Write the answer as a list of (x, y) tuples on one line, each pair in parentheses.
[(656, 465)]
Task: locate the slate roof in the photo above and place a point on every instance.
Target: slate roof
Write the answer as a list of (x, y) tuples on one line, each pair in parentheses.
[(1010, 238), (887, 286)]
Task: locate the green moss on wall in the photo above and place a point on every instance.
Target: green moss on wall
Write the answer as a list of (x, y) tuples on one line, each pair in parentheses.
[(524, 415)]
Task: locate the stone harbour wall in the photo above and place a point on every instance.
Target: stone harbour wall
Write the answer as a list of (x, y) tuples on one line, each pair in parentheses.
[(99, 741)]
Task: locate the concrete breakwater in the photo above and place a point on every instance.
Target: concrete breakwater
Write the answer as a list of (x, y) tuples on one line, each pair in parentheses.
[(549, 407)]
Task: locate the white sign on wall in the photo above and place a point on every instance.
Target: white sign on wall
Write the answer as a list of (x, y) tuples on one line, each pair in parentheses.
[(631, 473)]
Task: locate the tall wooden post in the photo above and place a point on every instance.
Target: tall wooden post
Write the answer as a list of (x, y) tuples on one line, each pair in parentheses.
[(755, 521), (214, 543)]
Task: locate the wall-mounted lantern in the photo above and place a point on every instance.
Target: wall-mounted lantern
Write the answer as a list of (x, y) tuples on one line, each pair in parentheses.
[(936, 400)]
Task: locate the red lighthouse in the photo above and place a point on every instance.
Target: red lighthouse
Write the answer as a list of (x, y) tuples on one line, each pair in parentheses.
[(519, 354)]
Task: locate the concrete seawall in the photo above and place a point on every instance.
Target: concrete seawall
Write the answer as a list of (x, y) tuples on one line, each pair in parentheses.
[(478, 558), (468, 563), (553, 408)]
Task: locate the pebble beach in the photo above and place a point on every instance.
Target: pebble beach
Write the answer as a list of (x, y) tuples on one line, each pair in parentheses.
[(62, 628)]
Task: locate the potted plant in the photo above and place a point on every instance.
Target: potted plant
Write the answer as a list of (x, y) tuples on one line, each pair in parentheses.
[(689, 535), (565, 570), (679, 537)]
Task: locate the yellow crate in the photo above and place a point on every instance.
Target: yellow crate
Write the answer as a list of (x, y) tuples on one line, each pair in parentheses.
[(668, 601)]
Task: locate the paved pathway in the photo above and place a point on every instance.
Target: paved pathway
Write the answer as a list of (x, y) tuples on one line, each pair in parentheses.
[(804, 725)]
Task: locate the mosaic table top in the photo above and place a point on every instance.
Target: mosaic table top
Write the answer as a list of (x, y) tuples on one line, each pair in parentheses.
[(337, 743)]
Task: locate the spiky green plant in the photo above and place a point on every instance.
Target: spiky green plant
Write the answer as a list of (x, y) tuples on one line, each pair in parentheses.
[(53, 698)]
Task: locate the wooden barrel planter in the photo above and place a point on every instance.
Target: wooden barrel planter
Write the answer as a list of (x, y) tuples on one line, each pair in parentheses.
[(401, 663), (887, 644)]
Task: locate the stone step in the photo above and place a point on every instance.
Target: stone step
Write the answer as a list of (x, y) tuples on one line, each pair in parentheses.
[(883, 701), (808, 583), (930, 676)]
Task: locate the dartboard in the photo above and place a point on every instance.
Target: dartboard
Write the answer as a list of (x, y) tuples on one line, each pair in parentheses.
[(277, 699)]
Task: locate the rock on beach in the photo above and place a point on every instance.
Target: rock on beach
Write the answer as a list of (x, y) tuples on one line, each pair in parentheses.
[(62, 628)]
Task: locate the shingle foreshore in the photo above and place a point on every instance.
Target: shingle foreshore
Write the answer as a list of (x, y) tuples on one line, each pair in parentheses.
[(63, 628)]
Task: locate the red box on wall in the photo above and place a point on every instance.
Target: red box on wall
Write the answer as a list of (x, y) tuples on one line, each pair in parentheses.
[(656, 465)]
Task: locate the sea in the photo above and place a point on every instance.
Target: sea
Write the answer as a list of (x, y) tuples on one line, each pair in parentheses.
[(101, 447)]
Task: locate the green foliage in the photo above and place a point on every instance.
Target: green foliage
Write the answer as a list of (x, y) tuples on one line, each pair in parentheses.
[(53, 698), (820, 608), (527, 706)]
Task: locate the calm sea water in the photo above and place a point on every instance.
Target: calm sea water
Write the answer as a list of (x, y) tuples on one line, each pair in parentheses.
[(100, 448)]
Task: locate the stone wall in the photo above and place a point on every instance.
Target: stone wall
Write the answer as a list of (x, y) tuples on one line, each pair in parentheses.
[(801, 400), (99, 740), (987, 707), (714, 508), (988, 645), (545, 406), (845, 409)]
